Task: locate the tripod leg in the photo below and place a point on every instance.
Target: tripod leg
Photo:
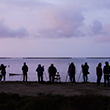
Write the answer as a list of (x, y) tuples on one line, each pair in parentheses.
[(79, 76), (45, 75), (66, 77)]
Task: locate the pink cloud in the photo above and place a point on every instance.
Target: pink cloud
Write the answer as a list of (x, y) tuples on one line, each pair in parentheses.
[(105, 37), (61, 23)]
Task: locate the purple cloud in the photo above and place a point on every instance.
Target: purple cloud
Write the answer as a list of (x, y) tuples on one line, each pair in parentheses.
[(100, 32), (6, 31), (97, 28)]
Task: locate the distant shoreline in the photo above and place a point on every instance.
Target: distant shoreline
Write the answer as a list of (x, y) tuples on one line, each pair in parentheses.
[(53, 57), (47, 57), (36, 57), (5, 57), (98, 57)]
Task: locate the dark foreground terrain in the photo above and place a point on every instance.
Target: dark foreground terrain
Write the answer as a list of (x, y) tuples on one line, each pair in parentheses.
[(66, 89), (58, 96), (54, 102)]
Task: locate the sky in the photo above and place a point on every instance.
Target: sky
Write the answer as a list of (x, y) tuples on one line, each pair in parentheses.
[(54, 28)]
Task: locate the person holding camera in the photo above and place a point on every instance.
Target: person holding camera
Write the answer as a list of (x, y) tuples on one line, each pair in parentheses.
[(40, 73), (85, 69)]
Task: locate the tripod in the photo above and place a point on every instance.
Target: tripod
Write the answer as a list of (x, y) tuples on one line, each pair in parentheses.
[(45, 75), (67, 77), (79, 76)]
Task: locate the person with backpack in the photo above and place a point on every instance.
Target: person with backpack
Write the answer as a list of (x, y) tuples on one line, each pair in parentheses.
[(71, 71), (40, 73)]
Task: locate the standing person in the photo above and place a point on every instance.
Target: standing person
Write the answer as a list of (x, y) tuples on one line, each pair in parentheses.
[(3, 72), (106, 71), (25, 70), (52, 71), (71, 71), (40, 73), (85, 69), (99, 73)]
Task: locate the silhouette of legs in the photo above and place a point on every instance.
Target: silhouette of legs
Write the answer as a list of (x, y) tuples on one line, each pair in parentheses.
[(52, 78), (40, 78), (24, 77), (85, 77), (106, 78)]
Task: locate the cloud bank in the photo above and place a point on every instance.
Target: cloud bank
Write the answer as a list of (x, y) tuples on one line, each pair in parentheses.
[(6, 31), (55, 19), (64, 23)]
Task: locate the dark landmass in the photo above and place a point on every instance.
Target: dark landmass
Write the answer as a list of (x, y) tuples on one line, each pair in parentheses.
[(98, 57), (47, 57), (5, 57)]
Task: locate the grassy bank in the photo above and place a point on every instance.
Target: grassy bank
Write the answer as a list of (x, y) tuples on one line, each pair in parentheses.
[(50, 102)]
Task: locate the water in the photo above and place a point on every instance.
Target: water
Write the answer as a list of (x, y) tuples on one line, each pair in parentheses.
[(14, 65)]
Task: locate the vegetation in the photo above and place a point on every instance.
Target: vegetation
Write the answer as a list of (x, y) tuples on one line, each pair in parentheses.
[(54, 102)]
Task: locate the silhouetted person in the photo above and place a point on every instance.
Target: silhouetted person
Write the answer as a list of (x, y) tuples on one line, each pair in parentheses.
[(52, 71), (106, 71), (71, 71), (99, 73), (40, 73), (85, 69), (3, 72), (25, 70)]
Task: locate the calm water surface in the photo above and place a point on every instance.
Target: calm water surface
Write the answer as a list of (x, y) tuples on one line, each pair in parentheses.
[(14, 65)]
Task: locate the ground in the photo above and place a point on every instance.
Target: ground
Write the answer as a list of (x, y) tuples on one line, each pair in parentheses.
[(67, 89)]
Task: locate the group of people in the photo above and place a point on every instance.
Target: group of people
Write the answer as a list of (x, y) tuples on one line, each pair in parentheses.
[(85, 68), (71, 72), (40, 69), (52, 71), (100, 71)]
